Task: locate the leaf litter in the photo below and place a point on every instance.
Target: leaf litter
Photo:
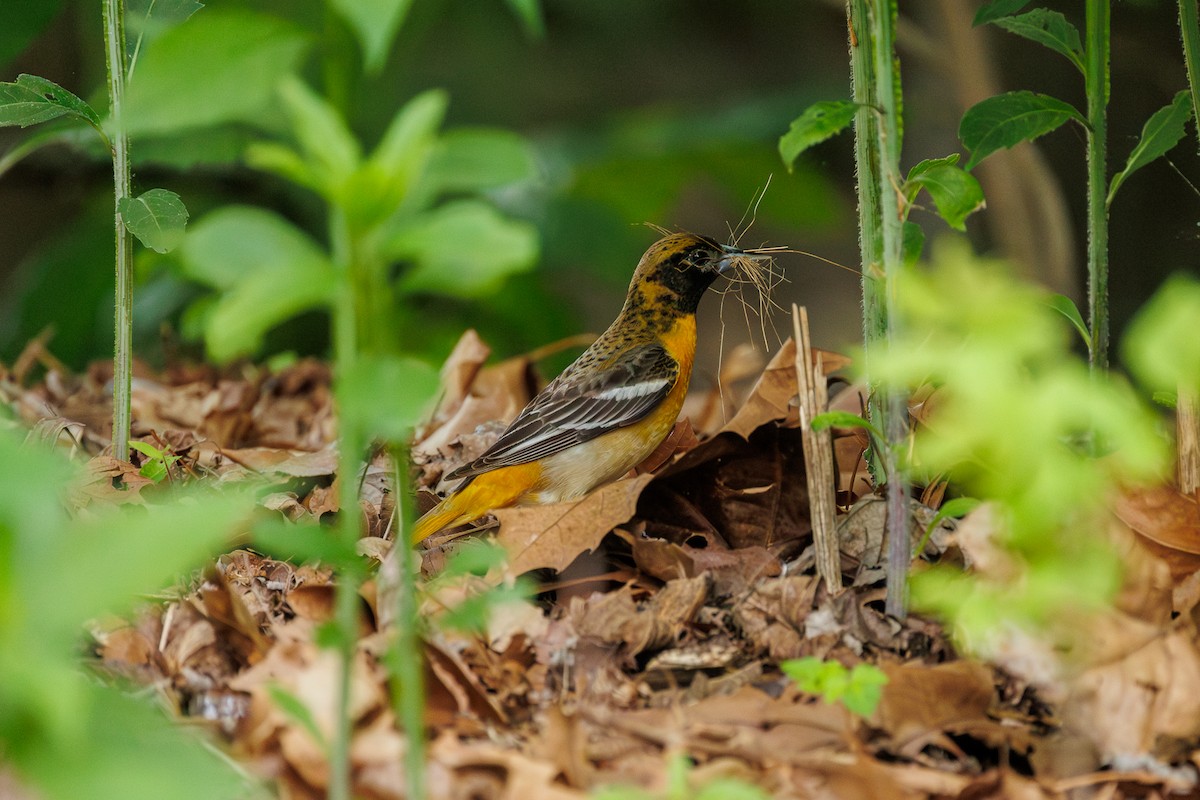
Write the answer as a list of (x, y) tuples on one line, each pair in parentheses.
[(664, 604)]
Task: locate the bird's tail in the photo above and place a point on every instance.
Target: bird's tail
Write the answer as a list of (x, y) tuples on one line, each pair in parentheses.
[(496, 489)]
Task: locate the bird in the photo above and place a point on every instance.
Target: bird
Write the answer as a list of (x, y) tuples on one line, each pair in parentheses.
[(607, 411)]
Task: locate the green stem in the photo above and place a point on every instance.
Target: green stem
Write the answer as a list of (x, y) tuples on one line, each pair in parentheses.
[(408, 664), (114, 51), (350, 446), (1189, 29), (1097, 35), (870, 236), (887, 82)]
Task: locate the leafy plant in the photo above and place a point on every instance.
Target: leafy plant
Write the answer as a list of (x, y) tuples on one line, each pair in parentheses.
[(64, 733), (157, 464), (157, 217), (1005, 120), (859, 688)]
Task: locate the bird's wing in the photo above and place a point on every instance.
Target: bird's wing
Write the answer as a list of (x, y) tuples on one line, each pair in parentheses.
[(570, 410)]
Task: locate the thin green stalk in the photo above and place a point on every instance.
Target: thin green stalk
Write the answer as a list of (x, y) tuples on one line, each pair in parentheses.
[(1097, 46), (1189, 30), (408, 664), (887, 80), (350, 446), (870, 236), (114, 52)]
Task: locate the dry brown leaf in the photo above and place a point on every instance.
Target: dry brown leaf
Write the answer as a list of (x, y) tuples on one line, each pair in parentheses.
[(1169, 520), (920, 700), (554, 535)]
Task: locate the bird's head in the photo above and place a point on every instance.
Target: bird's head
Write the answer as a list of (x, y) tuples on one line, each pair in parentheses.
[(679, 268)]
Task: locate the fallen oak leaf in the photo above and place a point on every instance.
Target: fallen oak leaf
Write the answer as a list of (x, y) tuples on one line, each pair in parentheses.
[(554, 535)]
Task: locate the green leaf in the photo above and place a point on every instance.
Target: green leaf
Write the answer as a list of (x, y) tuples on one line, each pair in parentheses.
[(228, 245), (864, 689), (473, 160), (23, 22), (156, 217), (1161, 132), (955, 192), (1048, 28), (329, 146), (223, 66), (997, 9), (1160, 345), (295, 709), (264, 299), (407, 145), (957, 507), (31, 100), (913, 242), (375, 23), (1007, 119), (1066, 306), (530, 14), (463, 249), (302, 543), (388, 396), (844, 419), (818, 122)]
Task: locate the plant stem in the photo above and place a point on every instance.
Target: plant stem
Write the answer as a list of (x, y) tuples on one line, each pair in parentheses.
[(887, 81), (1189, 29), (870, 237), (408, 664), (1097, 35), (350, 446), (114, 51)]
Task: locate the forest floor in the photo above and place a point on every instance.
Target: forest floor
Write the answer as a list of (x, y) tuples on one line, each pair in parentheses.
[(662, 606)]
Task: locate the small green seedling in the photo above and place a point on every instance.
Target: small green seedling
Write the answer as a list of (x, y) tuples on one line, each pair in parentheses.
[(158, 462), (859, 689)]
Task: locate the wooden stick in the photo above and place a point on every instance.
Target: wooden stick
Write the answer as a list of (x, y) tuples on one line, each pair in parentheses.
[(818, 454), (1187, 439)]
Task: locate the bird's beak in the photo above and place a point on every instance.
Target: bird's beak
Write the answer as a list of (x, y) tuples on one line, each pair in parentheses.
[(731, 255)]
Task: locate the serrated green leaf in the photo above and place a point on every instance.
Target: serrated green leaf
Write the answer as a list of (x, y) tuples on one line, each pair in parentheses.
[(463, 249), (223, 66), (374, 23), (1048, 28), (955, 192), (1161, 132), (996, 9), (1007, 119), (32, 99), (818, 122), (844, 419), (157, 218), (1066, 306)]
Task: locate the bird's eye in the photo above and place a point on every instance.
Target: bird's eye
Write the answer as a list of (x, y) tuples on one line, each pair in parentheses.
[(701, 258)]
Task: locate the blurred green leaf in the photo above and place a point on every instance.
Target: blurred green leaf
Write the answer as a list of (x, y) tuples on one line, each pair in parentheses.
[(31, 100), (913, 242), (1007, 119), (818, 122), (388, 395), (473, 160), (1066, 306), (1161, 132), (474, 557), (463, 249), (156, 217), (244, 313), (956, 507), (955, 192), (1160, 346), (224, 65), (375, 23), (1048, 28), (328, 147), (301, 543), (859, 689), (22, 24), (844, 419), (166, 12), (530, 14), (996, 9), (226, 246), (407, 146), (286, 163), (295, 709), (472, 614)]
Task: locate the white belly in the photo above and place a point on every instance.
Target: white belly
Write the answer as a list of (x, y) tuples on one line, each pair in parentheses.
[(577, 470)]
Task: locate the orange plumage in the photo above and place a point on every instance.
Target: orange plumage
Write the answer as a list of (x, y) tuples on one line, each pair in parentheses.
[(611, 407)]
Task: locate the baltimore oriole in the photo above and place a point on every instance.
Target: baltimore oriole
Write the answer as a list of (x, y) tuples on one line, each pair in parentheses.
[(612, 406)]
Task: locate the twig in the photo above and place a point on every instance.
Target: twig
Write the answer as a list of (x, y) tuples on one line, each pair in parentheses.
[(818, 454), (1187, 437)]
